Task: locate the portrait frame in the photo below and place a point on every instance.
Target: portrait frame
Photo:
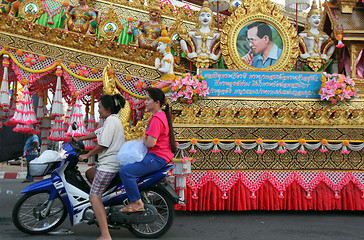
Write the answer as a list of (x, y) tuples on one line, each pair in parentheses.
[(251, 11)]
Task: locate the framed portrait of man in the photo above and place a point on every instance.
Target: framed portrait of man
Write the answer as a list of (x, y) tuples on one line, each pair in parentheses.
[(258, 36), (259, 44)]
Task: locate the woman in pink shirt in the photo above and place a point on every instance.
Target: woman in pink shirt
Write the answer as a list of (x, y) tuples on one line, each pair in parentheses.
[(160, 141)]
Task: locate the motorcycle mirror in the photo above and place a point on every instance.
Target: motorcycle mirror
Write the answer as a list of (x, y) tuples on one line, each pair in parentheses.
[(74, 126)]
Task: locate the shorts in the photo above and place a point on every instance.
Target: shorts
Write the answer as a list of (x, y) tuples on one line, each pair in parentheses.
[(101, 181)]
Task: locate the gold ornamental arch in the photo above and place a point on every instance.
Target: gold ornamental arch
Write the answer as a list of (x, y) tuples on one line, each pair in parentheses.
[(258, 11)]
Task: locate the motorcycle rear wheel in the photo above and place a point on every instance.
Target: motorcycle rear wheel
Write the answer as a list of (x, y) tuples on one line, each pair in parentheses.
[(27, 213), (165, 208)]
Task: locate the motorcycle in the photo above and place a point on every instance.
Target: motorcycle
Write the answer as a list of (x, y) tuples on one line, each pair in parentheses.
[(45, 204)]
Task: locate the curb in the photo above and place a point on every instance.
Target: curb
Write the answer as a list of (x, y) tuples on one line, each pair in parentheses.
[(22, 175), (15, 175)]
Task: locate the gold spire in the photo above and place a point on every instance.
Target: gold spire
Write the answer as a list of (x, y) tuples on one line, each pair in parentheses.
[(206, 7), (164, 36), (313, 10)]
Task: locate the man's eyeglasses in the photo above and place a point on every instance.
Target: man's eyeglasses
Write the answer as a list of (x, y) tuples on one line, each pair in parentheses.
[(251, 40)]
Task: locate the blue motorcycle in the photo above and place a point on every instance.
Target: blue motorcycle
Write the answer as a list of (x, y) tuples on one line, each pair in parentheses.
[(45, 204)]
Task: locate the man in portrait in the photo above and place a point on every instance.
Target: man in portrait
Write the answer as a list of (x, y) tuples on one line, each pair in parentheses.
[(259, 37)]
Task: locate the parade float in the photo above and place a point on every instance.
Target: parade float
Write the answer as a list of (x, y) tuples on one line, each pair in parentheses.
[(256, 131)]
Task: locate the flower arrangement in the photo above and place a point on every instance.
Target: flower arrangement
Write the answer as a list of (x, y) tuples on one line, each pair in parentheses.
[(83, 72), (29, 60), (140, 85), (336, 88), (189, 88)]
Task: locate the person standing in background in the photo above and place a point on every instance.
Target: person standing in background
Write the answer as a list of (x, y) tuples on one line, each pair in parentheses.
[(31, 152)]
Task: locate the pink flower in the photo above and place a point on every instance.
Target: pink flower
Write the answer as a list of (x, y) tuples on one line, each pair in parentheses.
[(350, 81), (174, 97), (188, 95), (355, 92), (333, 101), (326, 94), (345, 94)]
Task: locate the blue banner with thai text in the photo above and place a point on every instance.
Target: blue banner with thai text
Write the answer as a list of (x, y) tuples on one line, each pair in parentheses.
[(240, 83)]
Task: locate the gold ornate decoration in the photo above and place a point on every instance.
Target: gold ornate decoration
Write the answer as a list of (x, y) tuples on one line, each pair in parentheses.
[(110, 27), (269, 117), (31, 10), (138, 131), (347, 5), (109, 88), (271, 160), (258, 11), (125, 59), (267, 114)]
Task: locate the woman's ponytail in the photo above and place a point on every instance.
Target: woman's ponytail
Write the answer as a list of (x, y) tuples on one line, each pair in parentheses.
[(172, 139)]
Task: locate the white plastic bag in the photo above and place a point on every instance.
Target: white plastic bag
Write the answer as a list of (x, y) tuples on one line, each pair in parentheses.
[(47, 156), (131, 152)]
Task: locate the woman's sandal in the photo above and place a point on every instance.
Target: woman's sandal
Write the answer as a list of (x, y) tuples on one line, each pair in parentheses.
[(131, 209)]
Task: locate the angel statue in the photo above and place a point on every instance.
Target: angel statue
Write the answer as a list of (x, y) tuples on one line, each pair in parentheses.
[(81, 18), (315, 45), (165, 65), (146, 33), (202, 44)]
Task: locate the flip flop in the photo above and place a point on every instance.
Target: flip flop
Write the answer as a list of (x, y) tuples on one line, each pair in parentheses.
[(130, 209)]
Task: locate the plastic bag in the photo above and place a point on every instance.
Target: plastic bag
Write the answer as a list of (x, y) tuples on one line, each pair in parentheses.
[(47, 156), (131, 152)]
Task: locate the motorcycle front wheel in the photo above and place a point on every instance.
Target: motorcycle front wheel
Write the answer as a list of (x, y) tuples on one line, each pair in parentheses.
[(164, 221), (29, 213)]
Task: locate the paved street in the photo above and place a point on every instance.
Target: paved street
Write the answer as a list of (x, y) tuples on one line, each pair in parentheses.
[(255, 225)]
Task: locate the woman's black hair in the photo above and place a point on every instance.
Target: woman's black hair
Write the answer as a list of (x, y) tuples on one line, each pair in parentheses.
[(113, 103), (157, 95)]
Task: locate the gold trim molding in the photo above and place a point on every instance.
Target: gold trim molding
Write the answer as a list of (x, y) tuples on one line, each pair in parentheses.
[(80, 57), (52, 42)]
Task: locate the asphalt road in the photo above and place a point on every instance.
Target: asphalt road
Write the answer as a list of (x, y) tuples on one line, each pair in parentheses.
[(253, 225)]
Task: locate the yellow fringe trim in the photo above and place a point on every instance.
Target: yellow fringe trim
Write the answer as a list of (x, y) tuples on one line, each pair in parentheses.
[(31, 70), (80, 77)]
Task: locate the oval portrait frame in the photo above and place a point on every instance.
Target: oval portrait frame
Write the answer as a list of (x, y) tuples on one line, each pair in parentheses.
[(251, 11)]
